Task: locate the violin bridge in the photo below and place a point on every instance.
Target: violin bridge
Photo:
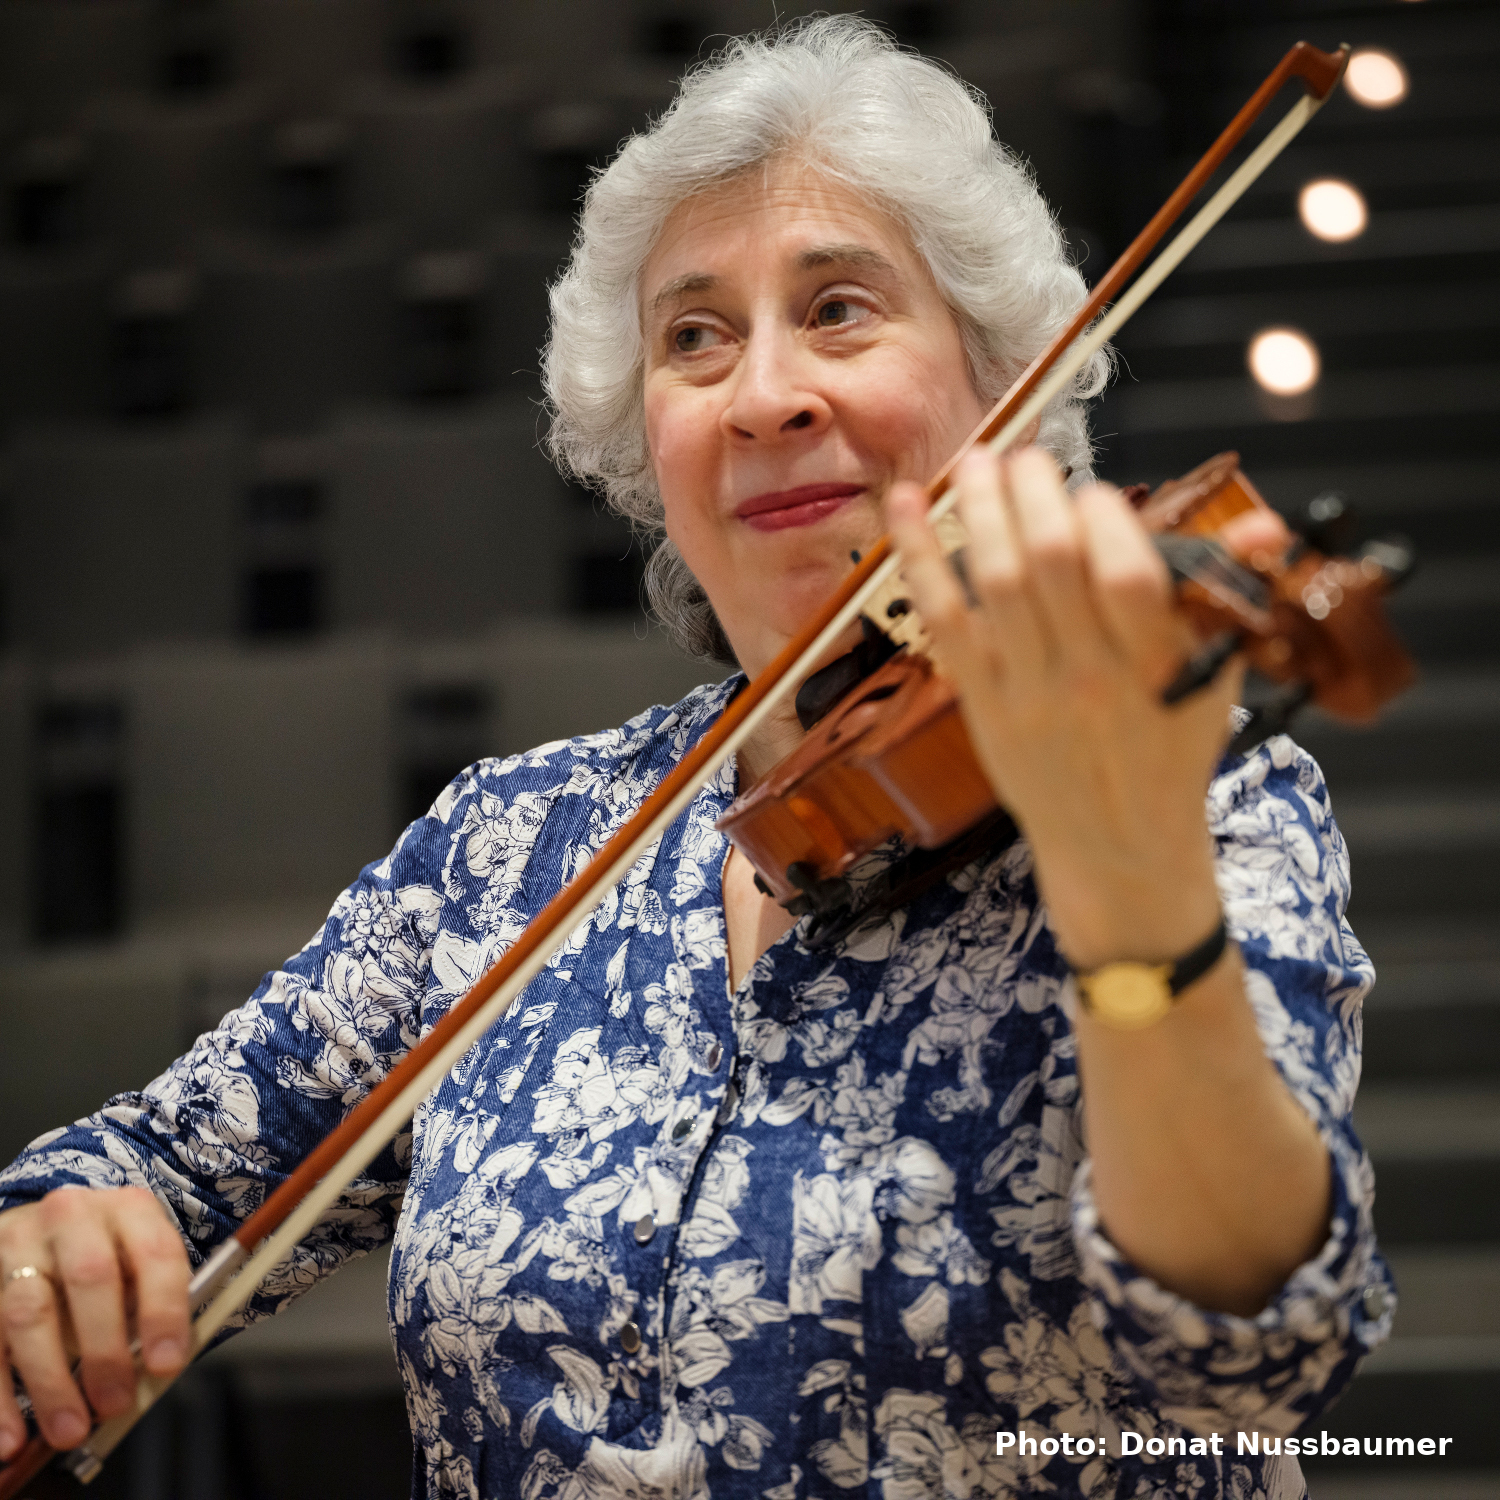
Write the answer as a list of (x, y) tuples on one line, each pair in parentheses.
[(890, 607)]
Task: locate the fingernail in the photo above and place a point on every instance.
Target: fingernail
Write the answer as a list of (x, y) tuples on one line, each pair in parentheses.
[(165, 1352), (67, 1429)]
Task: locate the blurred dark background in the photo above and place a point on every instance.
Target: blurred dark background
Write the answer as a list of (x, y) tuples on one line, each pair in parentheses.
[(279, 553)]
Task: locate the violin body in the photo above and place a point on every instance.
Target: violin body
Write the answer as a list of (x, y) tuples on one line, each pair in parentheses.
[(893, 757)]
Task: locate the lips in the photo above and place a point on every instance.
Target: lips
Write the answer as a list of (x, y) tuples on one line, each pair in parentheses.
[(802, 506)]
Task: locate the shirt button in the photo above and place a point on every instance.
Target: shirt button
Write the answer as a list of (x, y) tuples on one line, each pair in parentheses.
[(684, 1127), (715, 1056), (1375, 1302), (645, 1227), (630, 1338)]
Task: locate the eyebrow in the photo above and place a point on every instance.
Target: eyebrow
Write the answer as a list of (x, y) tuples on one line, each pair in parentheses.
[(856, 257), (683, 286)]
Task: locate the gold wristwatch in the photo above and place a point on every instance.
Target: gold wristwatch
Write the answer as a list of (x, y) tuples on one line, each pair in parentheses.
[(1129, 995)]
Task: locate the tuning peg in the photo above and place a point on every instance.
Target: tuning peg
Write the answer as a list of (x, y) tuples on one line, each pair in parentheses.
[(1326, 523), (1391, 557), (1272, 717)]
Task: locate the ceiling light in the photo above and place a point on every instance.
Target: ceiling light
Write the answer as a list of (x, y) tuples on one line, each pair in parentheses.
[(1332, 210), (1284, 361), (1375, 78)]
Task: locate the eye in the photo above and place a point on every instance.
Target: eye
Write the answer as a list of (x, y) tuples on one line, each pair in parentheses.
[(839, 312), (695, 338)]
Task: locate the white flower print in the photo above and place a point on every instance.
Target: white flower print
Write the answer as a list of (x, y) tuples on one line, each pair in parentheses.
[(912, 1182), (939, 1248), (1035, 1168), (922, 1457), (835, 1239), (591, 1093), (926, 1321)]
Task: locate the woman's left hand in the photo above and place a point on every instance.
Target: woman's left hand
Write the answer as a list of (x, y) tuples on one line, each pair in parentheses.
[(1207, 1173), (1060, 669)]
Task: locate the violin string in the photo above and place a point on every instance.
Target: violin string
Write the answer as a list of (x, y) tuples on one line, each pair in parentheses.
[(279, 1245)]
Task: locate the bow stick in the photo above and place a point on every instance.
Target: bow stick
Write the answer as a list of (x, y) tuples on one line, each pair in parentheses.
[(270, 1235)]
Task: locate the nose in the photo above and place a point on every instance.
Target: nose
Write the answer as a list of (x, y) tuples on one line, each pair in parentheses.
[(775, 394)]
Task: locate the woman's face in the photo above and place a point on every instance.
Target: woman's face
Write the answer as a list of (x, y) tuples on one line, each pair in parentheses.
[(799, 359)]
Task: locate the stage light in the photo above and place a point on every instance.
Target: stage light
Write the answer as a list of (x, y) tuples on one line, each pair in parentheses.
[(1332, 210), (1375, 78), (1284, 361)]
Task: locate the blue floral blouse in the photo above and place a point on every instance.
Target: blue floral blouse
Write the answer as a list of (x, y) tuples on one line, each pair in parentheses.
[(829, 1233)]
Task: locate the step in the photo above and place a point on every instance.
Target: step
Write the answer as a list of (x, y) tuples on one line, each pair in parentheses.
[(303, 1405), (1338, 1483), (1466, 167), (1446, 1343), (1442, 733), (1436, 1149), (1376, 415), (1411, 937), (1354, 328), (1392, 235), (1423, 852), (1433, 1022)]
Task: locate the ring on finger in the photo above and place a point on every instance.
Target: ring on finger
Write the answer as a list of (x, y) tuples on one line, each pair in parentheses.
[(29, 1273)]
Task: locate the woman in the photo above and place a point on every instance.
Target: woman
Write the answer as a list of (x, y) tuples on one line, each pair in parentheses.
[(711, 1213)]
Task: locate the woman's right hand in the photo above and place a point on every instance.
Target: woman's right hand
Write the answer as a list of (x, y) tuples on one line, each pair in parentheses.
[(109, 1268)]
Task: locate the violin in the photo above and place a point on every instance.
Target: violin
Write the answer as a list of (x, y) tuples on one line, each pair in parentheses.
[(887, 754), (1337, 665)]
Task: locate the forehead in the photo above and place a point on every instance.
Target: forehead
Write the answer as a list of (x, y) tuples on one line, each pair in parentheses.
[(776, 219)]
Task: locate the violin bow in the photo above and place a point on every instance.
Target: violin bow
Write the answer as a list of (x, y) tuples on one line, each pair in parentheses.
[(270, 1235)]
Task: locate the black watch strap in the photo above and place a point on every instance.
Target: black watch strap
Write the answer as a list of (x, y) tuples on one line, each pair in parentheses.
[(1196, 962)]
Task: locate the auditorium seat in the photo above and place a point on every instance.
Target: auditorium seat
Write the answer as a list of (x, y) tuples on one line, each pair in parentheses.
[(56, 55), (128, 532), (256, 775), (168, 167), (308, 52), (445, 517), (525, 254), (291, 326), (440, 155), (82, 1023), (596, 30), (558, 680), (15, 786), (55, 311)]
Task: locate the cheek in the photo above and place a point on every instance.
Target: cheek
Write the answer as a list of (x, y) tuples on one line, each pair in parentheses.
[(680, 442), (918, 413)]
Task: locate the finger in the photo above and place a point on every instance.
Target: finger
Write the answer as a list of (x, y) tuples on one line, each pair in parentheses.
[(1259, 537), (1132, 589), (93, 1291), (30, 1324), (1055, 558), (12, 1424), (935, 589), (153, 1252), (996, 569)]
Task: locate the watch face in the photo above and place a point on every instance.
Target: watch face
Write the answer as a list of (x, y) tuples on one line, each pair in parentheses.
[(1128, 996)]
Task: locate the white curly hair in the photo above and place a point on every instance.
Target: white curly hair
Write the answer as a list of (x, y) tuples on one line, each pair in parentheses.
[(839, 94)]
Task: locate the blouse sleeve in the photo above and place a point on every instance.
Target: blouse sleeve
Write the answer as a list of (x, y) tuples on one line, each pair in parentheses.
[(217, 1132), (1283, 873)]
